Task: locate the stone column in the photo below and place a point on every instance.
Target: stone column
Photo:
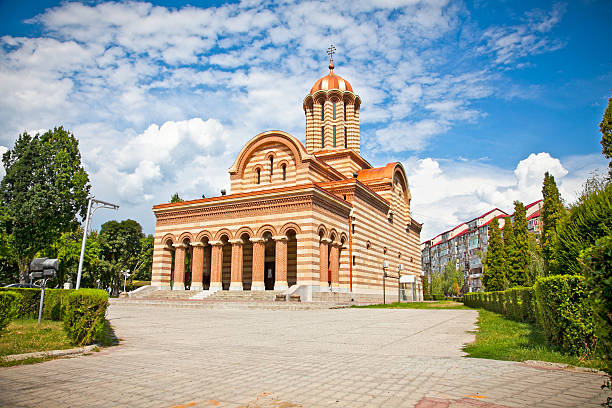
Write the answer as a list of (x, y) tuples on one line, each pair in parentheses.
[(236, 281), (280, 274), (324, 264), (179, 267), (197, 266), (216, 265), (334, 265), (259, 258)]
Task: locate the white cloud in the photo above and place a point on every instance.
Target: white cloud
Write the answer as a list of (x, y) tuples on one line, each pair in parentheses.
[(3, 150), (446, 193)]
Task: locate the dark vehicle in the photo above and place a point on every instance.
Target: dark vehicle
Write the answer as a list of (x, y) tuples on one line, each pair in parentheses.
[(22, 285)]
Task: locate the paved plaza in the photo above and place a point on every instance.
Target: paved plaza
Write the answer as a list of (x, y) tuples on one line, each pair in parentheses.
[(189, 357)]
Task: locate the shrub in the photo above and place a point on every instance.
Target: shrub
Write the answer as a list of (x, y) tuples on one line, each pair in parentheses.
[(438, 296), (30, 302), (84, 315), (597, 263), (565, 314), (516, 303), (9, 307)]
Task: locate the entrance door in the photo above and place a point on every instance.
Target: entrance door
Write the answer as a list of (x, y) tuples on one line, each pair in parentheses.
[(269, 275)]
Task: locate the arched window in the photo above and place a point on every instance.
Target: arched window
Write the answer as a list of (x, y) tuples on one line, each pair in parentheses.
[(284, 167), (345, 111), (334, 135), (345, 138), (271, 167), (322, 110), (322, 136), (258, 176), (334, 110)]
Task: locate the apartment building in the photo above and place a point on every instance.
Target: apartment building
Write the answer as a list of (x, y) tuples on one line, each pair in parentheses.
[(466, 244)]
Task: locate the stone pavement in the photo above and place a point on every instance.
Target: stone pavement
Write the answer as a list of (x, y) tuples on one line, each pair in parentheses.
[(172, 357)]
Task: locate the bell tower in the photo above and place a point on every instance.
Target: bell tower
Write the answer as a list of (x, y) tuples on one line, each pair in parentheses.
[(332, 113)]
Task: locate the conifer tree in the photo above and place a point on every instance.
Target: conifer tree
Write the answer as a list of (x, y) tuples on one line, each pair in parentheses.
[(520, 261), (495, 264), (510, 252), (606, 135), (552, 212)]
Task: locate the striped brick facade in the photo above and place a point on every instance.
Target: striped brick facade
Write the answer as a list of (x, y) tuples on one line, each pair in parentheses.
[(317, 215)]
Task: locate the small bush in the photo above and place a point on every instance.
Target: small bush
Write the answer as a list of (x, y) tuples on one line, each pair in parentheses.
[(438, 296), (516, 303), (29, 302), (565, 314), (84, 315), (9, 307)]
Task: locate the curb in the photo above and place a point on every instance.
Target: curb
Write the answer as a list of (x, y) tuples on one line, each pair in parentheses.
[(545, 365), (50, 353)]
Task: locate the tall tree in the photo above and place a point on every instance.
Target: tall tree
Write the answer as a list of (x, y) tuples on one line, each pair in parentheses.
[(495, 263), (120, 245), (606, 134), (552, 213), (44, 189), (176, 198), (510, 253), (520, 261)]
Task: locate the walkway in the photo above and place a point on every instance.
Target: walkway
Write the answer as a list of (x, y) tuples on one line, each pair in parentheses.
[(316, 358)]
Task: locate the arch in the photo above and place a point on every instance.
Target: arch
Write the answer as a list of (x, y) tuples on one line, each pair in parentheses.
[(257, 174), (244, 230), (333, 234), (168, 237), (185, 236), (266, 228), (221, 232), (288, 226), (322, 231), (203, 235), (343, 238), (296, 147), (400, 173)]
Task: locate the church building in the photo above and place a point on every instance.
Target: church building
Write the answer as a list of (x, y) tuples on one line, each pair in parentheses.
[(316, 220)]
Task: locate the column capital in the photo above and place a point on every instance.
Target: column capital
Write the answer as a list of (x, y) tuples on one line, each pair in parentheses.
[(216, 243), (179, 245), (254, 240), (197, 244), (280, 238), (336, 244), (236, 241), (326, 240)]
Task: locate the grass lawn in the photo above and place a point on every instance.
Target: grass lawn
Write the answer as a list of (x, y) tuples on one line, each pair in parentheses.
[(443, 304), (26, 336), (499, 338)]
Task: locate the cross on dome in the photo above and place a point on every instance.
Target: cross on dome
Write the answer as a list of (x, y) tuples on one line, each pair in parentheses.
[(331, 51)]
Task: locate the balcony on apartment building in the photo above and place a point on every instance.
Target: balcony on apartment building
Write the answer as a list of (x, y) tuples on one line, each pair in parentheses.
[(475, 263)]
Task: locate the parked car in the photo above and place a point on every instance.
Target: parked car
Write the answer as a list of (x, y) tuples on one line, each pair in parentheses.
[(22, 285)]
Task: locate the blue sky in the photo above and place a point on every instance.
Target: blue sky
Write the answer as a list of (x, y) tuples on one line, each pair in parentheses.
[(477, 99)]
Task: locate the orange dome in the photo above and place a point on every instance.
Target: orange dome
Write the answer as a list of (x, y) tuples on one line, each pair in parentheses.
[(331, 81)]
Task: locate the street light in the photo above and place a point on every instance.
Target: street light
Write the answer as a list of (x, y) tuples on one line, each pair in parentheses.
[(385, 265), (126, 274), (98, 204)]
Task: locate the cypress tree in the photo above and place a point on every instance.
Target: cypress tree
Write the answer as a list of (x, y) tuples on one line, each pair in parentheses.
[(495, 264), (510, 252), (552, 213), (520, 261), (606, 134)]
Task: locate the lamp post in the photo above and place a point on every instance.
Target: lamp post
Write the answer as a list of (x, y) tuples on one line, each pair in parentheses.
[(385, 265), (98, 204), (400, 268), (126, 274)]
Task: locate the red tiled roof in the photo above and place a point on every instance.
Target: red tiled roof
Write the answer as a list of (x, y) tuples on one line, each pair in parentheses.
[(532, 204), (378, 173), (534, 215)]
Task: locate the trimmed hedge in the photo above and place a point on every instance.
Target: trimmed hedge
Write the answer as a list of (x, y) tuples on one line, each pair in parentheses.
[(84, 315), (53, 308), (516, 303), (565, 313), (9, 307)]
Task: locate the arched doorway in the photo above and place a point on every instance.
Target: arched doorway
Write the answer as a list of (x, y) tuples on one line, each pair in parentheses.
[(188, 262), (330, 260), (270, 261), (170, 250), (247, 262), (226, 269), (206, 264), (291, 257)]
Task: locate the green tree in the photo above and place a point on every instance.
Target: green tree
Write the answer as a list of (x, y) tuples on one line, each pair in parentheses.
[(520, 260), (68, 250), (176, 198), (552, 213), (510, 252), (120, 245), (606, 134), (452, 280), (44, 189), (495, 263), (144, 262)]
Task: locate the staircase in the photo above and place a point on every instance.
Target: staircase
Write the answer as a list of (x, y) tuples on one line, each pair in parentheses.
[(245, 296)]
